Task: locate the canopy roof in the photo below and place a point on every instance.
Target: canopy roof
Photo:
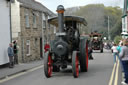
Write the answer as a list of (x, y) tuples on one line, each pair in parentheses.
[(95, 34), (54, 20)]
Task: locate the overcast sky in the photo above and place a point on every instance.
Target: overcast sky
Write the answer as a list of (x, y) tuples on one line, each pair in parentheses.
[(52, 4)]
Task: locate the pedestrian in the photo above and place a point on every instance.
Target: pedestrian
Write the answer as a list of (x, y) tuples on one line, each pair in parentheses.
[(46, 47), (15, 50), (124, 57), (119, 50), (11, 56), (115, 52), (90, 54)]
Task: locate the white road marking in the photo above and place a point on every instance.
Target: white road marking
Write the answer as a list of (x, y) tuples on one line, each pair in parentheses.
[(20, 74)]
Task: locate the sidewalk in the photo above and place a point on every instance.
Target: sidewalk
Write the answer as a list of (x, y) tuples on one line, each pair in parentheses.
[(4, 72)]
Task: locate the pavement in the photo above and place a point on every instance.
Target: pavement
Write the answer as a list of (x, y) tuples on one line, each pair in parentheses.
[(6, 72)]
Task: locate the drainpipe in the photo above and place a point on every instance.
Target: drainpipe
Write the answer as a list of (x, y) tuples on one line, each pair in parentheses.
[(10, 21)]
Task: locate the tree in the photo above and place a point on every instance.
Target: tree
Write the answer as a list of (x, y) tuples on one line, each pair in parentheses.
[(96, 16), (117, 39)]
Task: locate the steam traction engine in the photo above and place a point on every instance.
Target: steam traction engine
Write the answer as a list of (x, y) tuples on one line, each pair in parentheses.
[(96, 41), (67, 48)]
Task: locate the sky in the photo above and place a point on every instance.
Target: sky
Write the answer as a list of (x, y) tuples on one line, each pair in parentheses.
[(52, 4)]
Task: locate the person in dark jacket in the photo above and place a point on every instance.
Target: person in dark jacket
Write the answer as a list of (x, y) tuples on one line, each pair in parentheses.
[(15, 50), (124, 57), (11, 56)]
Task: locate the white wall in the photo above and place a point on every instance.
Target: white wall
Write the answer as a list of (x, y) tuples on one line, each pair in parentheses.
[(15, 12), (126, 23), (4, 31), (123, 24)]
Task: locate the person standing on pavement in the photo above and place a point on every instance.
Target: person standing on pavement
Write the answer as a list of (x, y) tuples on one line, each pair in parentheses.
[(115, 52), (11, 56), (124, 57), (15, 50), (119, 50)]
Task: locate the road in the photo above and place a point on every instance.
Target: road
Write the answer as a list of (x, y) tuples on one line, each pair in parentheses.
[(99, 73)]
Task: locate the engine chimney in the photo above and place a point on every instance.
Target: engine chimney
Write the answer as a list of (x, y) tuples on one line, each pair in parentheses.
[(60, 11)]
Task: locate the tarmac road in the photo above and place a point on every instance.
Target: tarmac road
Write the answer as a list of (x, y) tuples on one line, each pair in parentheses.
[(99, 73)]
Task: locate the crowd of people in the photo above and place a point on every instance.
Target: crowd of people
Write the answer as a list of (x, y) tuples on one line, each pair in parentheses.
[(121, 52), (13, 54)]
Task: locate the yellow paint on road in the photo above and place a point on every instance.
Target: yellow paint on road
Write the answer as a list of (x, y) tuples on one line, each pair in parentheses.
[(112, 75), (116, 75), (20, 74)]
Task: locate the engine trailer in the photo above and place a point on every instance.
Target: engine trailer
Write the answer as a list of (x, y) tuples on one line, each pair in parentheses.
[(67, 48)]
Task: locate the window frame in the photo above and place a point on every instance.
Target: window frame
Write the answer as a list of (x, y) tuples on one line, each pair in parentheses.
[(34, 21), (27, 22), (28, 49)]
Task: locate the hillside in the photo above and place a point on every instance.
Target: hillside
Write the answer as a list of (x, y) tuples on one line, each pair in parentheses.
[(96, 16)]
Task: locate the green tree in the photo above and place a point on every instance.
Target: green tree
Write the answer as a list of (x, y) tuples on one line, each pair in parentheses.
[(117, 39), (96, 16)]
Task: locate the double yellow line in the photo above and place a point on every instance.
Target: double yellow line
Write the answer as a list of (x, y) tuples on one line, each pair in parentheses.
[(114, 74)]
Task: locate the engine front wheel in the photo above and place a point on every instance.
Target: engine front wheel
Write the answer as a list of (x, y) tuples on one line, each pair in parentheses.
[(75, 64), (84, 55), (48, 65)]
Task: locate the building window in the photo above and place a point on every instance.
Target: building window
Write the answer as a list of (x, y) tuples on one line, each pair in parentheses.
[(48, 17), (27, 18), (44, 20), (34, 21), (54, 29), (28, 47)]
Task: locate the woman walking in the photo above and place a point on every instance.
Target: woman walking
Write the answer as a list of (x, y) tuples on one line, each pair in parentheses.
[(115, 52)]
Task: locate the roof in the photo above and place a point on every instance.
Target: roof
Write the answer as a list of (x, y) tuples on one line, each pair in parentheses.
[(36, 6), (54, 20), (93, 34)]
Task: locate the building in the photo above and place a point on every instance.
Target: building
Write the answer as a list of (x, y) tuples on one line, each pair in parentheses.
[(5, 31), (125, 20), (29, 22)]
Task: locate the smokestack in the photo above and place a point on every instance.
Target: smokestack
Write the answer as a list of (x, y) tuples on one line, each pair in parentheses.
[(60, 11)]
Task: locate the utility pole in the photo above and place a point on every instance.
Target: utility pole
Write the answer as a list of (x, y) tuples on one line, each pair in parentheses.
[(108, 29)]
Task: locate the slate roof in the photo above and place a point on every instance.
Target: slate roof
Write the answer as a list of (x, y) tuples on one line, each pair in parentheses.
[(36, 6)]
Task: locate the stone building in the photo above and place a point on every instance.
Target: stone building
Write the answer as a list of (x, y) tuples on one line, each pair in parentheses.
[(28, 20), (125, 20)]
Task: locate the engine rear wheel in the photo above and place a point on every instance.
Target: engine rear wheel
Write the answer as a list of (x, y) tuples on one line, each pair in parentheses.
[(84, 55), (75, 64), (101, 50), (48, 65)]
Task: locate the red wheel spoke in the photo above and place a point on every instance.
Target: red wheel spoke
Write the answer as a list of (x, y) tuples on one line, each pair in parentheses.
[(87, 55), (49, 66), (77, 66)]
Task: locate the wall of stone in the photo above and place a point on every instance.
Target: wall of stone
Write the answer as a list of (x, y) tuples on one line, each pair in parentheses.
[(32, 34)]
